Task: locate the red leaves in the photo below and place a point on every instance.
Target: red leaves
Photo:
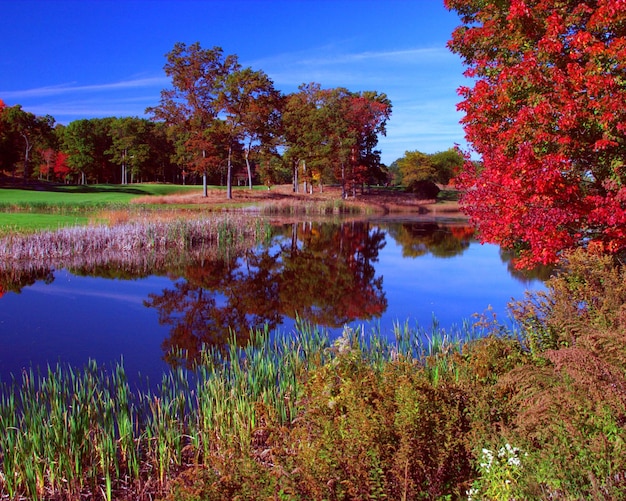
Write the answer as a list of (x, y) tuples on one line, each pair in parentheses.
[(546, 115)]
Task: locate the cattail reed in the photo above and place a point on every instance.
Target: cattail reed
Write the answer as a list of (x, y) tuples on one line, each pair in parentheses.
[(68, 433)]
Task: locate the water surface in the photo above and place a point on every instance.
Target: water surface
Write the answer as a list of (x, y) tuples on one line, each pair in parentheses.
[(374, 273)]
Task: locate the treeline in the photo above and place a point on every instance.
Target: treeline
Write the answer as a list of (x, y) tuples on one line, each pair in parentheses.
[(219, 122)]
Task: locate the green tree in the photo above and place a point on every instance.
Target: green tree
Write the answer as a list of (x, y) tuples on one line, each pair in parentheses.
[(447, 164), (417, 167), (21, 132), (87, 141), (130, 148)]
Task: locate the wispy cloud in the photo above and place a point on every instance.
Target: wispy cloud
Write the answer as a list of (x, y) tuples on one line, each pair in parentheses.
[(331, 66), (71, 88)]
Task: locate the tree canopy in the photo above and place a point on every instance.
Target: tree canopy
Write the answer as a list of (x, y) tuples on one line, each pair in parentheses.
[(546, 115), (417, 167), (217, 121)]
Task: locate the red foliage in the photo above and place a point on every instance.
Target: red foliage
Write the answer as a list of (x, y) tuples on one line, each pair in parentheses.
[(61, 168), (547, 116)]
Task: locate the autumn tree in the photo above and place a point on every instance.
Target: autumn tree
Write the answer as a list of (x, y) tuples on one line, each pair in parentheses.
[(210, 88), (192, 104), (365, 115), (303, 130), (250, 106), (546, 115), (332, 133)]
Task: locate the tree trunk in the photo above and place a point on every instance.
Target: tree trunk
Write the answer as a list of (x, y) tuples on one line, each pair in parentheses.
[(295, 176), (205, 192), (229, 187), (248, 166), (26, 155)]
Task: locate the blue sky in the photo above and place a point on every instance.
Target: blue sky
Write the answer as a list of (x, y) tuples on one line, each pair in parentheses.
[(95, 58)]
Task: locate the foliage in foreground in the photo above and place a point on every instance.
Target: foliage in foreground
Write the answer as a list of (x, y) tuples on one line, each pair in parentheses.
[(545, 115), (540, 415)]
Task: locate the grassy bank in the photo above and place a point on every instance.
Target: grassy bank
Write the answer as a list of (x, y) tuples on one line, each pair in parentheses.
[(483, 414), (53, 206)]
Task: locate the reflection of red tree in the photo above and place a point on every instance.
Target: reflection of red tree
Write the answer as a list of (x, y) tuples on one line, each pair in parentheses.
[(1, 291), (462, 232)]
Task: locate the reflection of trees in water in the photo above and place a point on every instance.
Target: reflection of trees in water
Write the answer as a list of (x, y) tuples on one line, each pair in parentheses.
[(320, 272), (540, 272), (211, 301), (329, 278), (14, 279), (419, 238)]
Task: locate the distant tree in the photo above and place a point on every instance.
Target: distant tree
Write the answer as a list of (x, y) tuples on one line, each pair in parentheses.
[(363, 117), (415, 167), (447, 164), (61, 168), (86, 142), (21, 132), (130, 148), (332, 134), (304, 133), (546, 115), (440, 167), (47, 162)]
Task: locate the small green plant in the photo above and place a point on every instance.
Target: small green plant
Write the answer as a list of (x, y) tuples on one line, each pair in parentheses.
[(499, 473)]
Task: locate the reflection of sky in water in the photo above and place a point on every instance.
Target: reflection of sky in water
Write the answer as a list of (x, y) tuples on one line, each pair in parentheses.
[(77, 318), (450, 289)]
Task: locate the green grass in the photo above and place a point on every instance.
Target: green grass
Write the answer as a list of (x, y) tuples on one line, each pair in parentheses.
[(27, 222), (98, 194), (51, 206)]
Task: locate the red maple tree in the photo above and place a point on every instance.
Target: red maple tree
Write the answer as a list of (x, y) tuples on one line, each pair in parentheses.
[(547, 116), (61, 169)]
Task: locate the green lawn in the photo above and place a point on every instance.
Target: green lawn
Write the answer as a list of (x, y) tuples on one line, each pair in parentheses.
[(98, 194), (51, 207), (36, 221)]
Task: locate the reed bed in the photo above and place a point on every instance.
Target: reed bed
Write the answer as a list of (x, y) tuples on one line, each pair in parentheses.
[(315, 207), (139, 237), (70, 434)]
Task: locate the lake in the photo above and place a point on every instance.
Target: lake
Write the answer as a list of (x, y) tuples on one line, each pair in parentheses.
[(372, 273)]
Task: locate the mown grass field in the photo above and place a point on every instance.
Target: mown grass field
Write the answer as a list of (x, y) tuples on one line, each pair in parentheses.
[(50, 206)]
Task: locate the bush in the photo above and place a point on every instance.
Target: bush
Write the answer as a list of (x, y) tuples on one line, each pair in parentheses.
[(426, 190)]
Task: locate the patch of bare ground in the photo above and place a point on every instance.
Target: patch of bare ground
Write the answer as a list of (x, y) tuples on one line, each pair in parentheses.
[(373, 200)]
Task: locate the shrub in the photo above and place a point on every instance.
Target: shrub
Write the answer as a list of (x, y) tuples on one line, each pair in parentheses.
[(589, 293)]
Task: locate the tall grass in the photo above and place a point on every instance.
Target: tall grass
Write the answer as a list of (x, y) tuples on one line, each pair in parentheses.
[(68, 433), (135, 239), (306, 207)]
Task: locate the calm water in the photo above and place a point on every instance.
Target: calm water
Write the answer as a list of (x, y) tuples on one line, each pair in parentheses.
[(373, 273)]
